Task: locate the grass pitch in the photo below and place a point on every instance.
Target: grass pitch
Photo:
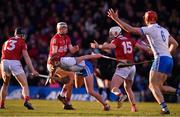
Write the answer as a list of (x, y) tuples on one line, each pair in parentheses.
[(54, 108)]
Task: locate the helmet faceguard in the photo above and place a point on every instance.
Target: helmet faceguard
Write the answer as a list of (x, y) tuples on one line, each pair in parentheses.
[(61, 24), (62, 27), (114, 31)]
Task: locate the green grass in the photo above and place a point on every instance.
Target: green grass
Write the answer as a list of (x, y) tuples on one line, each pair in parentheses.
[(54, 108)]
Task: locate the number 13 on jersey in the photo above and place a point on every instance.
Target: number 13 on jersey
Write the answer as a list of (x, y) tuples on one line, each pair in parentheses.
[(10, 45)]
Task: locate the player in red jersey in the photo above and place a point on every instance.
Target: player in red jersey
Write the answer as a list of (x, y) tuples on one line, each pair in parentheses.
[(124, 52), (12, 51), (61, 44)]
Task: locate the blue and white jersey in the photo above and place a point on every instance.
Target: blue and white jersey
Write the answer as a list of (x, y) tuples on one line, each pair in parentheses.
[(88, 68), (158, 38)]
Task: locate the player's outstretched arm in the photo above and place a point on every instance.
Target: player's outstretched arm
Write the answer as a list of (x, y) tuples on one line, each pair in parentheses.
[(173, 44), (128, 28), (144, 47), (29, 63), (104, 46)]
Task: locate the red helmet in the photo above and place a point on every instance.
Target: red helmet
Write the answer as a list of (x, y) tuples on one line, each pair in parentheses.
[(150, 16)]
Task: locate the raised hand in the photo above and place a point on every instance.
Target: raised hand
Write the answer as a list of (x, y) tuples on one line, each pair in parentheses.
[(112, 14)]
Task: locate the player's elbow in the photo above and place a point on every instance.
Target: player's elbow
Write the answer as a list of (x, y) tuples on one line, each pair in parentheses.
[(26, 57), (173, 42), (176, 44)]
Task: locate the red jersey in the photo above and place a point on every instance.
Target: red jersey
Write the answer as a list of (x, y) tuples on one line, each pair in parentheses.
[(124, 48), (12, 48), (62, 43)]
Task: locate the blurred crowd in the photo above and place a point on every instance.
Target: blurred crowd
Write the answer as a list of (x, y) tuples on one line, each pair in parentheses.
[(87, 21)]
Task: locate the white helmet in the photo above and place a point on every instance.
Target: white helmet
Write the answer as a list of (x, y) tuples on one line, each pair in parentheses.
[(61, 24), (114, 31)]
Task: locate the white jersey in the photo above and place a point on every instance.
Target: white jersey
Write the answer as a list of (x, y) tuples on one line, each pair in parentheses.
[(158, 38)]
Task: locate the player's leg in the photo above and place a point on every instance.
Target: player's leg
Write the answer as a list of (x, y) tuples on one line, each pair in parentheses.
[(6, 75), (115, 84), (21, 78), (65, 94), (4, 89), (128, 87), (89, 84), (69, 87), (156, 80), (58, 72), (19, 74), (162, 66), (169, 89), (88, 74), (118, 78)]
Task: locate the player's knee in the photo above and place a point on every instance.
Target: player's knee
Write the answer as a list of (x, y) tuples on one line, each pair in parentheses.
[(150, 86), (24, 86), (5, 84), (71, 82), (154, 81), (153, 86), (90, 92), (24, 83)]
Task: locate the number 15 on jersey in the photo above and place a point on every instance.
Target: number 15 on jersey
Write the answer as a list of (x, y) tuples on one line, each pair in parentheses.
[(127, 47)]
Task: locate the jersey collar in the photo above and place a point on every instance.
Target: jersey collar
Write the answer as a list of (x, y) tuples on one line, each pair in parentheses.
[(152, 25)]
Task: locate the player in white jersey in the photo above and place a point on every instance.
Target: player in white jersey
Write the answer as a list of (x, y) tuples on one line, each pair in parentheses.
[(162, 45)]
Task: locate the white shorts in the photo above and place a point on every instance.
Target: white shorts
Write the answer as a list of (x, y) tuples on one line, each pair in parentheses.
[(68, 61), (65, 61), (126, 72), (13, 67)]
